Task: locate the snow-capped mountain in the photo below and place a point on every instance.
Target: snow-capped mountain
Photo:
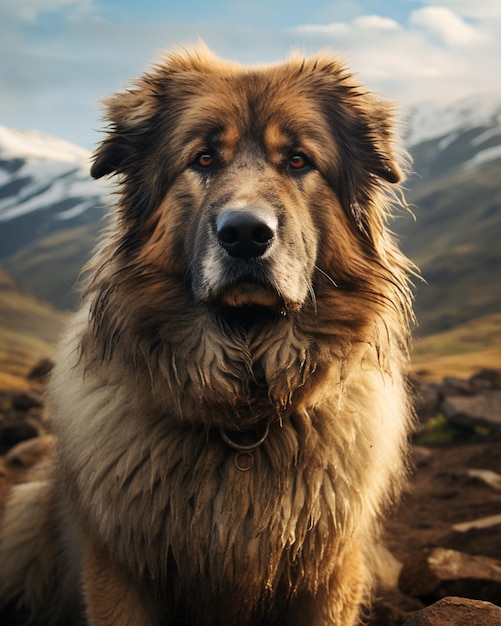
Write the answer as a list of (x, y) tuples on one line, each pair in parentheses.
[(464, 135), (31, 144), (430, 120), (45, 187)]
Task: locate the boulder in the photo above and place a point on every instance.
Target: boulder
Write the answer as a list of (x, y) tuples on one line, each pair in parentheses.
[(433, 573), (485, 476), (470, 412), (16, 427), (426, 398), (478, 524), (487, 379), (40, 372), (452, 611), (451, 386)]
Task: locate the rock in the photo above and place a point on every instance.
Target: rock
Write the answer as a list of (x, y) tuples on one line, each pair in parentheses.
[(23, 400), (487, 379), (483, 522), (27, 453), (41, 371), (17, 427), (452, 611), (433, 573), (469, 412), (426, 399), (480, 536), (393, 609), (487, 477), (456, 387)]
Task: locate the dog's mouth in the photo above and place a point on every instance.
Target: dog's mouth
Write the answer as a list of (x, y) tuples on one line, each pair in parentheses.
[(248, 302), (249, 285), (249, 294)]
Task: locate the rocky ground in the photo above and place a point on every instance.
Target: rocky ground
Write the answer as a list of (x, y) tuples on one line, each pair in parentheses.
[(453, 503), (445, 536)]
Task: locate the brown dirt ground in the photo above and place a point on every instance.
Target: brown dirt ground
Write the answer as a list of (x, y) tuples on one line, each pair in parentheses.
[(439, 495)]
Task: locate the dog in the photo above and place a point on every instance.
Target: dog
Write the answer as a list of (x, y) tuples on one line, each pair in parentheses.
[(230, 400)]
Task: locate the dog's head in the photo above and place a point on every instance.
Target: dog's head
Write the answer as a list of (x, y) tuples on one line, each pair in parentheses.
[(250, 183)]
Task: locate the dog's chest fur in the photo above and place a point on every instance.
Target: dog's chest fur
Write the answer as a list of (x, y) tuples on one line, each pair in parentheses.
[(166, 499)]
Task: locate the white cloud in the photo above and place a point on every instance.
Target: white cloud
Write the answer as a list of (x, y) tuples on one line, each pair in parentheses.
[(375, 23), (440, 54), (334, 29), (29, 10), (475, 9), (447, 25), (364, 23)]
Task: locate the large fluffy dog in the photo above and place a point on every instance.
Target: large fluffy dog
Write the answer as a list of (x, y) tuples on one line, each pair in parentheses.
[(229, 401)]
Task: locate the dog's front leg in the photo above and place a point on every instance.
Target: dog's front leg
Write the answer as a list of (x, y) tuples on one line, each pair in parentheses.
[(112, 596), (338, 602)]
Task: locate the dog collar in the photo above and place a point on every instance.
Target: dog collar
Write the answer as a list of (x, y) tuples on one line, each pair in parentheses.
[(245, 442)]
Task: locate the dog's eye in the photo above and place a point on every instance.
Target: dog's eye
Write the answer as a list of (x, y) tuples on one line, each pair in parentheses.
[(298, 162), (204, 160)]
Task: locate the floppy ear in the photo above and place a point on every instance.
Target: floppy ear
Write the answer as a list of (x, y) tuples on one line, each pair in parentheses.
[(362, 128), (369, 153), (378, 118), (138, 145), (127, 113), (136, 115), (107, 158)]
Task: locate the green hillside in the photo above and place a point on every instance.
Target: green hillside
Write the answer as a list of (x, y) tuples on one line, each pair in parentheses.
[(49, 268)]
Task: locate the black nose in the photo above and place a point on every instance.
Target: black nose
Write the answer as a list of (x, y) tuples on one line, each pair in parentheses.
[(246, 234)]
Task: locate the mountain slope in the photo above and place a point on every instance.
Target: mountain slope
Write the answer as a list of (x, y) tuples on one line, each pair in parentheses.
[(429, 121), (461, 351), (455, 194), (455, 242), (50, 267)]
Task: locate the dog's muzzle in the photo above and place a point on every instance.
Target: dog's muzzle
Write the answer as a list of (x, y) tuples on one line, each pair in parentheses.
[(246, 235)]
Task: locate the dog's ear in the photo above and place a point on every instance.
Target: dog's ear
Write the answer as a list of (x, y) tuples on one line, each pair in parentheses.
[(136, 116), (127, 113), (377, 147), (362, 129)]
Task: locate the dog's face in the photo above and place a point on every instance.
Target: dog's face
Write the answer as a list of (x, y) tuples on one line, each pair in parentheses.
[(254, 241), (248, 183)]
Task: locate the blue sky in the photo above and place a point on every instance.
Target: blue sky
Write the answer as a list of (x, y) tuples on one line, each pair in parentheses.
[(59, 57)]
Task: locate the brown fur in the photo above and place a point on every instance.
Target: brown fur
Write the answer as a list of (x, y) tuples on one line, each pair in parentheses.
[(178, 345)]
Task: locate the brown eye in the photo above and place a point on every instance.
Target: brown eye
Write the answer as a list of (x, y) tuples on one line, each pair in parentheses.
[(298, 162), (205, 160)]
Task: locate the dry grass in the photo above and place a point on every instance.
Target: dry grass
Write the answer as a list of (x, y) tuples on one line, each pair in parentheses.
[(459, 352), (29, 330)]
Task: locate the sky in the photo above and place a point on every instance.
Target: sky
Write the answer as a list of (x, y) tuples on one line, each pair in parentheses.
[(59, 58)]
